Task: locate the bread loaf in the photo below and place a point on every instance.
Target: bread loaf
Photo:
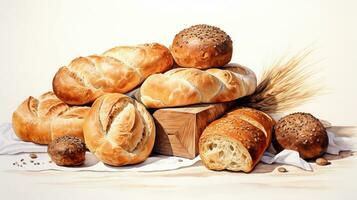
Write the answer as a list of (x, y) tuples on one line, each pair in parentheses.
[(119, 130), (236, 141), (202, 46), (119, 69), (43, 119), (186, 86), (301, 132)]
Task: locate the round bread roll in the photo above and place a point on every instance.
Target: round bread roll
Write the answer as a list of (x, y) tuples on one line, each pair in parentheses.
[(67, 151), (42, 119), (301, 132), (119, 130), (202, 46)]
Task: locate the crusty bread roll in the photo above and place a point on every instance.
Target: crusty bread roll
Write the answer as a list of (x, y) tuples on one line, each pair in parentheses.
[(119, 130), (43, 119), (202, 46), (120, 69), (301, 132), (236, 141), (186, 86)]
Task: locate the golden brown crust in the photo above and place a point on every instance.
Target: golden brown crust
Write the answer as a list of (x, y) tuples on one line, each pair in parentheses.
[(41, 120), (119, 69), (248, 127), (202, 46), (303, 133), (119, 130), (67, 151), (186, 86)]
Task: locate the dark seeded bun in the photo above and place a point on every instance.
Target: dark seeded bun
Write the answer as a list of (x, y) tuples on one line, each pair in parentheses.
[(301, 132), (67, 151), (202, 46)]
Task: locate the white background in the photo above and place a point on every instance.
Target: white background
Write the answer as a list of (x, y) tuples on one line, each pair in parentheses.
[(39, 36)]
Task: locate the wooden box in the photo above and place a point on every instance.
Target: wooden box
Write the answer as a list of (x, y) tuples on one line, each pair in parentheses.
[(178, 129)]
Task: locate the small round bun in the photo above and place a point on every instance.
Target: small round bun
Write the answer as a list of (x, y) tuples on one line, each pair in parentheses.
[(301, 132), (202, 46), (67, 151)]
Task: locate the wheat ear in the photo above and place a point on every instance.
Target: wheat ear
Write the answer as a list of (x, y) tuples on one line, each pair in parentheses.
[(286, 84)]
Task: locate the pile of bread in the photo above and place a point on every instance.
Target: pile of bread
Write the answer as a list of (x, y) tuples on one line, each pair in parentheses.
[(88, 107)]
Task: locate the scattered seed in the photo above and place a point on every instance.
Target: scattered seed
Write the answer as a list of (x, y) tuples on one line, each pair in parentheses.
[(33, 155), (21, 160), (322, 161), (282, 170)]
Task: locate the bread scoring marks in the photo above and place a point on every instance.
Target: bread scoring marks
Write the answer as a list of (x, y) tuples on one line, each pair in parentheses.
[(47, 105), (246, 76), (76, 74), (171, 75), (125, 127), (32, 104), (125, 57), (146, 132), (71, 112), (192, 88)]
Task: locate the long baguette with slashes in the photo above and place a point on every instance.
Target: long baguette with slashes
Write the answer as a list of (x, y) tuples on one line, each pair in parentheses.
[(187, 86), (119, 69)]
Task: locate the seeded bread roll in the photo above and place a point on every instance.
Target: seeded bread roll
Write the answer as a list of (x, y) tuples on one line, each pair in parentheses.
[(67, 151), (301, 132), (202, 46), (236, 141)]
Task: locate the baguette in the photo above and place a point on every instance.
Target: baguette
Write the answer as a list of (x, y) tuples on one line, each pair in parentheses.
[(187, 86), (119, 69)]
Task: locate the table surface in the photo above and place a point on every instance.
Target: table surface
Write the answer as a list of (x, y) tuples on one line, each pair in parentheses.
[(335, 181)]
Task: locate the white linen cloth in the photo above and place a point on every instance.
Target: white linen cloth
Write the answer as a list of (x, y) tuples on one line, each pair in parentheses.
[(10, 145)]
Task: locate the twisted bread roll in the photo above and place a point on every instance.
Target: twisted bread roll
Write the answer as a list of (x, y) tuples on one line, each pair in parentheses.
[(120, 69), (43, 119), (186, 86), (119, 130), (236, 141)]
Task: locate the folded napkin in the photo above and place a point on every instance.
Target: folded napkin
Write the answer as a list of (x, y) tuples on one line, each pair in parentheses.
[(10, 144), (290, 157)]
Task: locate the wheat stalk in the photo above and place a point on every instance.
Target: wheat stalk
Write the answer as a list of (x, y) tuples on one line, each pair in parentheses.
[(286, 84)]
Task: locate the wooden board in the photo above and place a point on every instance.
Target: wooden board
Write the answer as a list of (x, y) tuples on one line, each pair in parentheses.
[(178, 129)]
